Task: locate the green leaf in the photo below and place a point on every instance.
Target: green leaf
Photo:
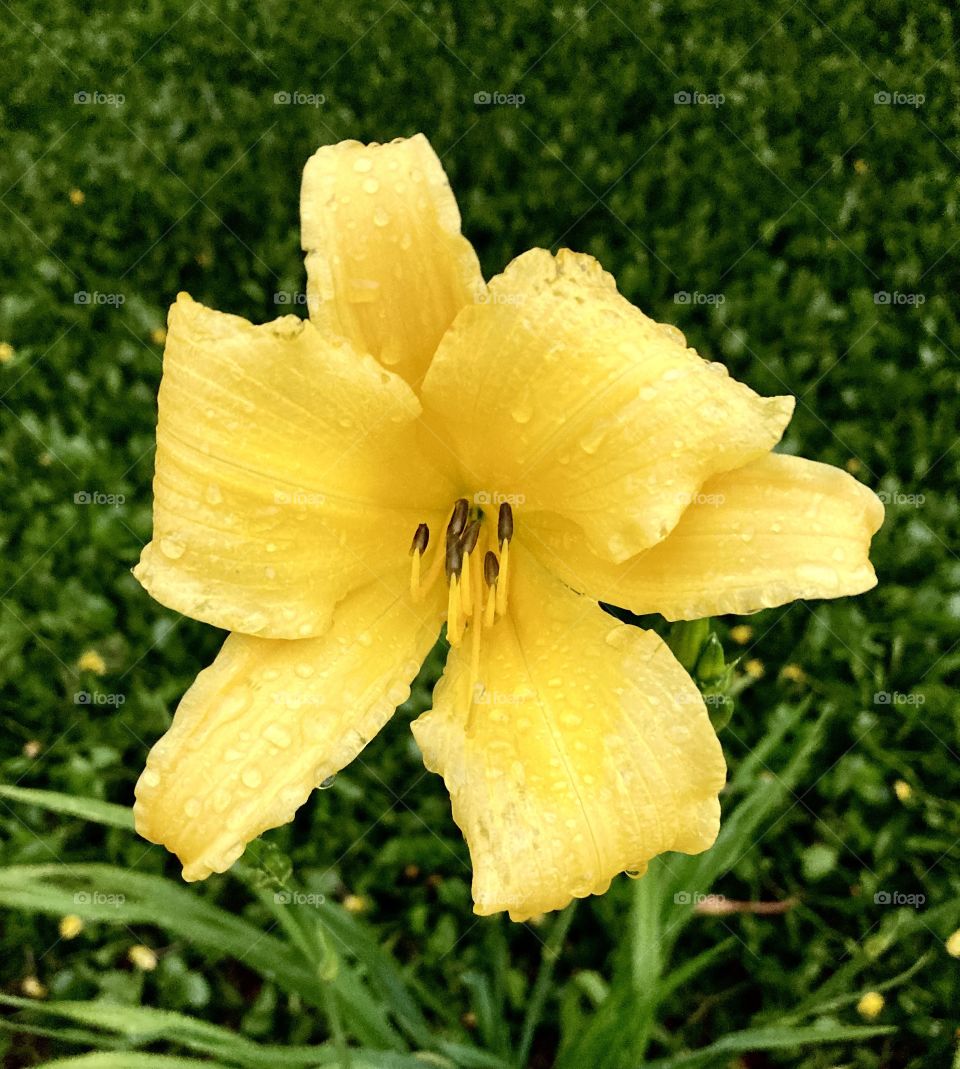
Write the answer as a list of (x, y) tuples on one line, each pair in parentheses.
[(113, 816), (756, 1039)]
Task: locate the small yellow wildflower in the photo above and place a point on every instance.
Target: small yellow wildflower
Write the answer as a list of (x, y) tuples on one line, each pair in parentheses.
[(356, 904), (870, 1005), (741, 634), (754, 668), (861, 166), (332, 490), (32, 987), (6, 352), (142, 957), (32, 748), (91, 661), (70, 926), (953, 944), (853, 465), (77, 197), (204, 258), (158, 335), (794, 673), (902, 790)]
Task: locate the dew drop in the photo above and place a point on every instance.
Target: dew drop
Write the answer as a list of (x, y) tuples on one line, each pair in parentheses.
[(363, 164), (213, 494), (370, 185), (171, 548), (522, 413), (304, 671), (381, 217), (327, 783), (277, 735), (192, 807), (251, 777)]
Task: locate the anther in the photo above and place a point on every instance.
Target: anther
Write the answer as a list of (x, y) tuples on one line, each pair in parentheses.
[(458, 519), (504, 524), (491, 569), (421, 539)]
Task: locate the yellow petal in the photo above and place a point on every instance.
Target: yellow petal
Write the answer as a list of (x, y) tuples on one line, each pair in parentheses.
[(588, 752), (270, 720), (287, 473), (777, 529), (558, 391), (387, 266)]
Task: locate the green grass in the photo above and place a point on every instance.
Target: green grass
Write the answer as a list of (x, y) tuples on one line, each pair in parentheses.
[(797, 199)]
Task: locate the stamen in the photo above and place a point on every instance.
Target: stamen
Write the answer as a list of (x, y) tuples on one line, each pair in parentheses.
[(418, 546), (504, 524), (491, 570), (467, 544), (504, 577), (454, 621), (453, 559)]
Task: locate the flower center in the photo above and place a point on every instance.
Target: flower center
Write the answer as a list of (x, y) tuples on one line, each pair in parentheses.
[(475, 561)]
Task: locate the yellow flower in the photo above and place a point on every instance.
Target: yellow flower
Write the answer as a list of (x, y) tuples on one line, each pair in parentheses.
[(754, 668), (902, 790), (142, 957), (356, 904), (953, 944), (794, 673), (158, 335), (70, 926), (741, 634), (32, 987), (870, 1005), (91, 661), (425, 448), (6, 352), (77, 197)]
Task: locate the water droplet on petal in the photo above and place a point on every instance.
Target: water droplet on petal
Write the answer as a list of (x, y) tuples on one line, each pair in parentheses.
[(362, 164), (171, 548), (327, 783), (251, 777), (213, 494)]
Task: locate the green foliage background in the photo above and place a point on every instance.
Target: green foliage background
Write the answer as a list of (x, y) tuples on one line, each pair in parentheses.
[(799, 198)]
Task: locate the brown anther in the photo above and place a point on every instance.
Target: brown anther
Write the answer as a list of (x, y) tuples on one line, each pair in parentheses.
[(421, 539), (504, 524), (491, 569), (453, 561), (458, 520), (468, 540)]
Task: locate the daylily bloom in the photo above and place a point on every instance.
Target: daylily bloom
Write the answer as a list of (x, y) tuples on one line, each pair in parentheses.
[(426, 448)]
